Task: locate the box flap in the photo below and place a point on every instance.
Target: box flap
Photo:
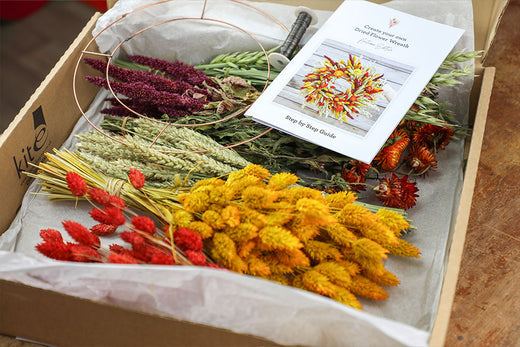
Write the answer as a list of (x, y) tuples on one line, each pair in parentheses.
[(486, 16)]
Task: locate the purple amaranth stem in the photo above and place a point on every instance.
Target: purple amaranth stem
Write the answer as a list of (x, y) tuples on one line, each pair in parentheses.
[(176, 70), (158, 82), (146, 109), (173, 112), (143, 93)]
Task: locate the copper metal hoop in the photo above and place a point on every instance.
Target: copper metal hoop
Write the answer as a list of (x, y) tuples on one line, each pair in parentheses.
[(167, 124)]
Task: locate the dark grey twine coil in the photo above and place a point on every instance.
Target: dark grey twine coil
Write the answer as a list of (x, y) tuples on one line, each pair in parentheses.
[(295, 35)]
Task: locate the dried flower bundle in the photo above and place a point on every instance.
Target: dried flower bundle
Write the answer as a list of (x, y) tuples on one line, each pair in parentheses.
[(251, 223), (149, 244), (196, 153), (168, 90), (263, 225), (252, 66)]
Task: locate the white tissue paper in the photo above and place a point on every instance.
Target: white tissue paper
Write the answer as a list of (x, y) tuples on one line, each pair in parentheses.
[(221, 298)]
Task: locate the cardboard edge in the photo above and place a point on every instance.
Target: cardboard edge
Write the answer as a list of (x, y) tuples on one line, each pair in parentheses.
[(16, 137), (496, 18), (86, 322), (440, 327)]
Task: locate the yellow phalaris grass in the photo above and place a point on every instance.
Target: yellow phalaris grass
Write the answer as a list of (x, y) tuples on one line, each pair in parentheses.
[(265, 226)]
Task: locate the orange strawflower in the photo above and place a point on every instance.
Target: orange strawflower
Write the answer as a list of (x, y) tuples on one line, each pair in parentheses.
[(433, 137), (388, 158), (397, 192), (421, 160)]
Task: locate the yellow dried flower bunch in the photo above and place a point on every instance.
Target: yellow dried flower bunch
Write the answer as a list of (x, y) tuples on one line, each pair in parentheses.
[(266, 226)]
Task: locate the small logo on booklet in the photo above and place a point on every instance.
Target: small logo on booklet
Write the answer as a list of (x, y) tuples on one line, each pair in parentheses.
[(393, 22)]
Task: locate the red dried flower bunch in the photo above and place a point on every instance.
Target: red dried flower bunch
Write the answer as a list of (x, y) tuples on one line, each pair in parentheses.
[(149, 245)]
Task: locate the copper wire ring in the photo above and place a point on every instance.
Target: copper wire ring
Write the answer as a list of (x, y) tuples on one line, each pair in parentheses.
[(167, 124)]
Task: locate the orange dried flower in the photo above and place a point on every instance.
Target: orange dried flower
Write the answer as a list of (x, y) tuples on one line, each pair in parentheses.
[(352, 176), (397, 192), (388, 158), (421, 160), (433, 136), (77, 185), (136, 178)]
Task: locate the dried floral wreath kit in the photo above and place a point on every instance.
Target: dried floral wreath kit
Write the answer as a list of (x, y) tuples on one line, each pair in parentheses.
[(144, 196)]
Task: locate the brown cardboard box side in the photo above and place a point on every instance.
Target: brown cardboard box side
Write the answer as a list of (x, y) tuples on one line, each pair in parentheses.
[(44, 123), (39, 314)]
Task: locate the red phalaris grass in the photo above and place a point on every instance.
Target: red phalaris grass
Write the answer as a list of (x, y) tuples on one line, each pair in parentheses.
[(149, 245)]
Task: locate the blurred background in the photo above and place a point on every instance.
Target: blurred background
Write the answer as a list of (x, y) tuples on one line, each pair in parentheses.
[(33, 36)]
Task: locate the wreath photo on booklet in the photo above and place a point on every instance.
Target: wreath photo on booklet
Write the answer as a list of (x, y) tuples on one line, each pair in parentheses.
[(351, 84)]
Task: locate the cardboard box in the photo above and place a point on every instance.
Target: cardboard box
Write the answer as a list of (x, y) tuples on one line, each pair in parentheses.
[(45, 122)]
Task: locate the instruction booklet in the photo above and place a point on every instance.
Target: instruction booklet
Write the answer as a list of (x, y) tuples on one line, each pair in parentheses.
[(351, 84)]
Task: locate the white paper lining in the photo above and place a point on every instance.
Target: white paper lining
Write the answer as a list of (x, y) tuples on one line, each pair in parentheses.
[(242, 303)]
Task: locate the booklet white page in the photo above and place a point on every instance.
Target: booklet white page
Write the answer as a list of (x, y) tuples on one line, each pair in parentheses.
[(354, 80)]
